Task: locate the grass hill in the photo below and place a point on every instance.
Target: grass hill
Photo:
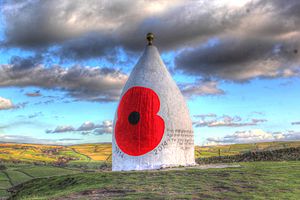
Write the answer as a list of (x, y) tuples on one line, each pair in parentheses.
[(20, 163), (14, 174), (85, 153), (254, 180)]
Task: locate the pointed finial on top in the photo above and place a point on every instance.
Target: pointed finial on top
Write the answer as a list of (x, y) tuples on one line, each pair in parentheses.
[(150, 38)]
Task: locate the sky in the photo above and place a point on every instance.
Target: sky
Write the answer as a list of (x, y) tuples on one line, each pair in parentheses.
[(63, 65)]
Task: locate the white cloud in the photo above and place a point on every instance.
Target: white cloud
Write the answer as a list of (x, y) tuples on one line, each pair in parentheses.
[(225, 120), (253, 136), (6, 104), (24, 139), (34, 140), (86, 128)]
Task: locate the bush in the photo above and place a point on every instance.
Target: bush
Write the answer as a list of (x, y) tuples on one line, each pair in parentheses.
[(287, 154), (2, 167)]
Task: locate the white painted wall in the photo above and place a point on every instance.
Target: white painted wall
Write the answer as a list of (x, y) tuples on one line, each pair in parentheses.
[(173, 150)]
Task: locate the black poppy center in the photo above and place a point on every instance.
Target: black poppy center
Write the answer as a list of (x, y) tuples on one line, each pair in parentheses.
[(134, 118)]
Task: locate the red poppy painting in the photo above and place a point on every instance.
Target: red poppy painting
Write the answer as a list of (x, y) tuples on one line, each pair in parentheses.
[(139, 129)]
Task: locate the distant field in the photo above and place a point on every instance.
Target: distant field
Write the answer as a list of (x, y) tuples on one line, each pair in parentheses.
[(38, 153), (89, 153), (254, 180), (234, 149), (96, 152)]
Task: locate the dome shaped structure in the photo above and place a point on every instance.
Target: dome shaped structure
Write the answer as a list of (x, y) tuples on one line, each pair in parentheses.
[(152, 126)]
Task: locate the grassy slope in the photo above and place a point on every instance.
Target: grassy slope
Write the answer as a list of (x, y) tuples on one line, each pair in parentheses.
[(37, 153), (257, 180), (87, 153), (90, 155), (19, 173), (234, 149)]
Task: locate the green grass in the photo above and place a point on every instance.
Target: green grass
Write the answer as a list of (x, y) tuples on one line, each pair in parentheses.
[(84, 153), (19, 173), (46, 171), (2, 176), (17, 177), (234, 149), (3, 193), (4, 185), (256, 180)]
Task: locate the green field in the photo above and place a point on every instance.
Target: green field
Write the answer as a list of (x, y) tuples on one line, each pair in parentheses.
[(90, 153), (234, 149), (19, 173), (25, 162), (256, 180)]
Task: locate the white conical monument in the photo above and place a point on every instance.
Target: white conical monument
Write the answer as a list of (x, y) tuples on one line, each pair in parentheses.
[(152, 126)]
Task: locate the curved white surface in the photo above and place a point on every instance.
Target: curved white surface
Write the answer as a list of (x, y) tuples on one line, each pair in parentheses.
[(177, 146)]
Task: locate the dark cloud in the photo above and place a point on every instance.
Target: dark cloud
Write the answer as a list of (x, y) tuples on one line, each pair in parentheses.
[(224, 121), (259, 39), (86, 128), (240, 59), (89, 45), (200, 88), (82, 83), (34, 115), (93, 29), (21, 63), (295, 123), (104, 128), (33, 94), (61, 129), (264, 44)]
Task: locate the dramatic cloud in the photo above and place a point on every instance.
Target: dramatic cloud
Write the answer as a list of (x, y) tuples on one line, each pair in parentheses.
[(83, 30), (265, 43), (295, 123), (224, 120), (61, 129), (242, 58), (6, 104), (83, 83), (73, 24), (201, 88), (99, 129), (232, 40), (252, 136), (86, 128)]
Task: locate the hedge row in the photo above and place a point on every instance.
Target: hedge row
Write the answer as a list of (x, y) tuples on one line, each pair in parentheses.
[(287, 154)]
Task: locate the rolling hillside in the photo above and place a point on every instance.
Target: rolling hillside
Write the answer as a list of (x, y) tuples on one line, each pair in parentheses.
[(20, 163), (86, 153), (254, 180), (14, 174)]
